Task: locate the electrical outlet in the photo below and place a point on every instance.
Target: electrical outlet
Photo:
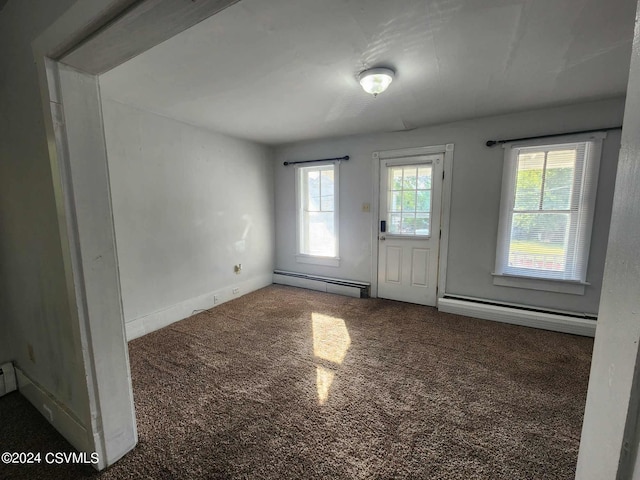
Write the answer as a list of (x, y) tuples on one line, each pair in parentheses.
[(236, 290), (366, 207), (215, 299), (32, 355)]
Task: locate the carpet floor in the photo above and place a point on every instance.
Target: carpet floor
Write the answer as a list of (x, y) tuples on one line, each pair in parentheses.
[(286, 383)]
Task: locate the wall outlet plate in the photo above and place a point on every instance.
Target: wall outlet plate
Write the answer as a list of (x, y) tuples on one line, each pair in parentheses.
[(236, 290)]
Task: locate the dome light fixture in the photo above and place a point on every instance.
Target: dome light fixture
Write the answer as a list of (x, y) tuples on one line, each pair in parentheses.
[(376, 80)]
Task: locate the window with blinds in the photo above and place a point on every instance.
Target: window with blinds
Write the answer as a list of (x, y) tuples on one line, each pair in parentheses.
[(317, 210), (546, 212)]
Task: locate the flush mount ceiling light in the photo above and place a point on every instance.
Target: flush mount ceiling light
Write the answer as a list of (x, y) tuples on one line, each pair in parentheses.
[(376, 80)]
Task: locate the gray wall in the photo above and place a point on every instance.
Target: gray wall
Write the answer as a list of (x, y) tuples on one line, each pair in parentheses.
[(477, 177), (188, 205), (34, 307)]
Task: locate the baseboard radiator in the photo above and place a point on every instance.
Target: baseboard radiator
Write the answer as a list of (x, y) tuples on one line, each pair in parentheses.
[(558, 321), (7, 379), (323, 284)]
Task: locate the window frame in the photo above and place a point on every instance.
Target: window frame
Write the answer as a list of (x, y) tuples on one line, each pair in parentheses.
[(302, 257), (586, 180)]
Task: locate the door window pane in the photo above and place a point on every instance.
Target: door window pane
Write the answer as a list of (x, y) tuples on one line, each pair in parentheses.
[(409, 201), (423, 203), (396, 202), (410, 193), (408, 223), (423, 223), (424, 178)]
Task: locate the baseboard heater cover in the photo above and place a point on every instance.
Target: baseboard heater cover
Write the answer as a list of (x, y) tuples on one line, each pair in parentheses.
[(7, 379), (323, 284), (565, 322)]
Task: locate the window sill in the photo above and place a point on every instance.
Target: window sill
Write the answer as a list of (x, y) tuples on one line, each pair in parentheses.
[(313, 260), (545, 284)]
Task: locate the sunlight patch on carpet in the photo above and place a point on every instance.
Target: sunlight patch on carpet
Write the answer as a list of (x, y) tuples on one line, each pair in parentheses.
[(331, 341), (324, 379)]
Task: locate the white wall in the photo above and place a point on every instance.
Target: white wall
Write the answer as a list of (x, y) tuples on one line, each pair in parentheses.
[(476, 186), (35, 311), (188, 205)]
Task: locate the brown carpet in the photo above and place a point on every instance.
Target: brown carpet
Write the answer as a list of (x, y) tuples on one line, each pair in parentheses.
[(286, 383)]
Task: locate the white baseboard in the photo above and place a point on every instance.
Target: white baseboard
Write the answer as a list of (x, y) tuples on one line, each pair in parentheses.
[(543, 320), (154, 321), (317, 284), (56, 414)]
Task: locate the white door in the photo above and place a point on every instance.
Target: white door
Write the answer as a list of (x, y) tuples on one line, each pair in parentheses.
[(409, 228)]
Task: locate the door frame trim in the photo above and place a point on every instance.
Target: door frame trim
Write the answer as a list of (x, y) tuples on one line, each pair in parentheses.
[(85, 28), (445, 211)]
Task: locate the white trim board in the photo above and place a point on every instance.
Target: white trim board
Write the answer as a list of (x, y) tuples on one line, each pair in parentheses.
[(56, 414), (75, 137), (155, 321), (516, 316)]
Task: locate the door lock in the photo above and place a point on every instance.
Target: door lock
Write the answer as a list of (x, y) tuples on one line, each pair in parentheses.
[(382, 238)]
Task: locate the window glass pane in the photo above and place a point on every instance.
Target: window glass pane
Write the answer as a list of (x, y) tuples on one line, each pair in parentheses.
[(410, 180), (424, 177), (313, 189), (321, 239), (409, 201), (396, 202), (423, 203), (395, 223), (558, 180), (408, 223), (326, 191), (396, 178), (423, 224), (539, 241), (529, 181), (410, 193)]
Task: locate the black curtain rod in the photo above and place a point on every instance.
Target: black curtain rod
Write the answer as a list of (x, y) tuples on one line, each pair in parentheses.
[(492, 143), (346, 157)]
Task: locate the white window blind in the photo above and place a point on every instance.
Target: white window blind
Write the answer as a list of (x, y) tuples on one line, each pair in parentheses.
[(317, 210), (546, 212)]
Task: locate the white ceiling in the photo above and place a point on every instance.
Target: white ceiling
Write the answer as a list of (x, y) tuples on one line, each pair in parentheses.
[(280, 71)]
